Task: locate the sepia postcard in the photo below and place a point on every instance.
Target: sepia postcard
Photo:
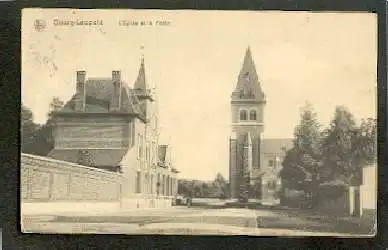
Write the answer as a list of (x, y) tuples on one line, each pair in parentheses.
[(257, 123)]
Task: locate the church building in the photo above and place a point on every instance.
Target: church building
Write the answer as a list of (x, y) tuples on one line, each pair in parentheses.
[(108, 125), (255, 161)]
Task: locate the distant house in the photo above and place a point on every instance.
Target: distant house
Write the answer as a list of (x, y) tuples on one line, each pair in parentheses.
[(108, 125)]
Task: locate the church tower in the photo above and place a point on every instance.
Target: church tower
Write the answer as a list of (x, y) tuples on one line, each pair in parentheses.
[(247, 106)]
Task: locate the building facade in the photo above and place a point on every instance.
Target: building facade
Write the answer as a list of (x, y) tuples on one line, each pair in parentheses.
[(254, 160), (108, 125)]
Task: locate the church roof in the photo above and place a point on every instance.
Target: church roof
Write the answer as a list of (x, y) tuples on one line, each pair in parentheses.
[(101, 157), (276, 146), (248, 81)]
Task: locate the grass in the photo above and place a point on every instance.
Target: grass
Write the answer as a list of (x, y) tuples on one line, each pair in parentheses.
[(313, 221)]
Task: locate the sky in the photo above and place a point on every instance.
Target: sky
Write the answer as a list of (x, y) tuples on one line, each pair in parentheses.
[(193, 61)]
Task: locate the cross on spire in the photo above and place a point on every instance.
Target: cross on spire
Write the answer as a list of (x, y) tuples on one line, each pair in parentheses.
[(142, 53), (141, 80)]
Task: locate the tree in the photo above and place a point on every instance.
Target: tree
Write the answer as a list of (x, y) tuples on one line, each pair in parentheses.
[(366, 141), (56, 104), (38, 139), (28, 130), (205, 190), (220, 183), (183, 188), (43, 141), (346, 148), (301, 165)]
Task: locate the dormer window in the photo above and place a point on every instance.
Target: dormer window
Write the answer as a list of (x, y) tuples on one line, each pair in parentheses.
[(252, 115), (246, 77), (251, 94), (243, 115)]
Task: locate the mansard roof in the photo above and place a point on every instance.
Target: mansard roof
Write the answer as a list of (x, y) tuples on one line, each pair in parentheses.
[(99, 91), (98, 95)]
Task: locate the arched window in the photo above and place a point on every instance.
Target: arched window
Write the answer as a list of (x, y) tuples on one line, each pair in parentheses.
[(252, 115), (243, 115)]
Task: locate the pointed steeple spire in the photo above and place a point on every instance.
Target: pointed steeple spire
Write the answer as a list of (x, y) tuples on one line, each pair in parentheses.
[(248, 85), (248, 68), (141, 79), (140, 87)]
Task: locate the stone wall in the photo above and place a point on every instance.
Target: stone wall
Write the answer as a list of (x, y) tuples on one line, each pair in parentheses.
[(45, 180), (52, 186)]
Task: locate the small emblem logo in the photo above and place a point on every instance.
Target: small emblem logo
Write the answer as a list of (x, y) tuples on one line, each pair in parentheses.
[(40, 25)]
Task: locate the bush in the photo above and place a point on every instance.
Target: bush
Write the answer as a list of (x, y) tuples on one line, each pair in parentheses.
[(332, 190)]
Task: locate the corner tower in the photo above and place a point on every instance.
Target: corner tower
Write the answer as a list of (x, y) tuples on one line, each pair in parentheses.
[(247, 106)]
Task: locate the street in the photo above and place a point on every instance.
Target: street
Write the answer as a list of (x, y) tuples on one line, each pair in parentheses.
[(183, 220)]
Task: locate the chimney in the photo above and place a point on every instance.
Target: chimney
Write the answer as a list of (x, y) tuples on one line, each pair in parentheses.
[(80, 91), (116, 97)]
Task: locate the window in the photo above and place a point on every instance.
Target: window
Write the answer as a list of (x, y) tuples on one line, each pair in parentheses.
[(133, 132), (243, 115), (148, 154), (252, 115), (158, 184), (138, 182), (140, 146), (154, 150), (270, 163), (85, 158), (152, 183), (146, 183)]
